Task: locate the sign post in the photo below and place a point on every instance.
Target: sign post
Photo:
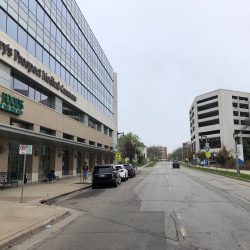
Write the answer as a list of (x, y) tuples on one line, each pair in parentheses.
[(24, 150), (239, 157)]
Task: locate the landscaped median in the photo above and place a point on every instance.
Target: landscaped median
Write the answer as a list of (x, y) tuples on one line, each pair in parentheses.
[(224, 172)]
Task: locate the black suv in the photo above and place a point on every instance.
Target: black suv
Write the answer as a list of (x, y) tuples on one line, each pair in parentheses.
[(131, 170), (105, 174), (176, 164)]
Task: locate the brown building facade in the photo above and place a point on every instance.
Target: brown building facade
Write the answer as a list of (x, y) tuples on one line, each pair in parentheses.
[(64, 105)]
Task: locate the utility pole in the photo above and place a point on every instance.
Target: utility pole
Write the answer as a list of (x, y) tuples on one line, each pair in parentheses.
[(235, 136)]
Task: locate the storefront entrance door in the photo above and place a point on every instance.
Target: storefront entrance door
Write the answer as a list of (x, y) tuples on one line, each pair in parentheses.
[(44, 162), (65, 162)]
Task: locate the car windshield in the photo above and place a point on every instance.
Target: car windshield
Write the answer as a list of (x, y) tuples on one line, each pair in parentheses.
[(102, 170), (118, 167)]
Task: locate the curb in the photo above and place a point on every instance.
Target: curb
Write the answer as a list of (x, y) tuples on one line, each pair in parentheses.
[(36, 227), (51, 200), (39, 226)]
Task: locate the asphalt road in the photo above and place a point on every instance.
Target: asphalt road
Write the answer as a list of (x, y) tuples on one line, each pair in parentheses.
[(162, 208)]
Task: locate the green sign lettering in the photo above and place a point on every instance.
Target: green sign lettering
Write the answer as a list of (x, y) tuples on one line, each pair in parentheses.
[(11, 104)]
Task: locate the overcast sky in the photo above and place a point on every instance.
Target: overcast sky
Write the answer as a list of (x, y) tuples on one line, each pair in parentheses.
[(165, 53)]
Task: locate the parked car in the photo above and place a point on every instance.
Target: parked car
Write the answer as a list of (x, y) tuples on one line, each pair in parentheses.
[(105, 174), (123, 172), (176, 164), (131, 170)]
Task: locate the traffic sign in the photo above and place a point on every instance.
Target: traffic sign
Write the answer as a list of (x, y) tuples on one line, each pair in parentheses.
[(208, 155), (118, 156), (207, 148), (25, 149)]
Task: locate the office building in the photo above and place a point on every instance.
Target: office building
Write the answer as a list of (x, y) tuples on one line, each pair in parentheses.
[(217, 117), (58, 91)]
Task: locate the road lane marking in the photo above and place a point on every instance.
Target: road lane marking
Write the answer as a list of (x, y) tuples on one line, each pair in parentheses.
[(183, 232), (182, 229), (240, 198)]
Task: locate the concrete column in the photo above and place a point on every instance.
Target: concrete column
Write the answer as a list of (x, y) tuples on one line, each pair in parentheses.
[(56, 103), (86, 120), (59, 134), (56, 160), (4, 155), (99, 158), (5, 77), (36, 128), (92, 160), (32, 164), (72, 162), (102, 128), (82, 118)]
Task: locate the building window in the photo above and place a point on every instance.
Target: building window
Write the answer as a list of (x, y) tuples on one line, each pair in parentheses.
[(31, 46), (212, 132), (39, 52), (208, 114), (22, 37), (208, 106), (236, 113), (11, 28), (47, 131), (68, 137), (20, 124), (214, 142), (20, 86), (3, 20), (209, 123), (207, 99), (243, 106)]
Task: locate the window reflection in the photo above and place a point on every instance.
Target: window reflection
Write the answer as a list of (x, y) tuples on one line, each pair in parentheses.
[(12, 28), (22, 37), (21, 86), (31, 45), (3, 20), (81, 65)]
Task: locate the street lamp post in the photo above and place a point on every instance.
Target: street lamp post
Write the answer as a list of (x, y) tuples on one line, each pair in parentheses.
[(118, 133), (235, 136)]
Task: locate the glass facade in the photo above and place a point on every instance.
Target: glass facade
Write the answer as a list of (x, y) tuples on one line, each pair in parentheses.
[(56, 34), (22, 87)]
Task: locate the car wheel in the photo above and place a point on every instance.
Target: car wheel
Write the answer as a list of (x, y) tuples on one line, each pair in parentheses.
[(115, 184)]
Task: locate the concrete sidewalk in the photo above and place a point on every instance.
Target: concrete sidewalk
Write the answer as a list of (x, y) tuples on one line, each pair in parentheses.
[(19, 219)]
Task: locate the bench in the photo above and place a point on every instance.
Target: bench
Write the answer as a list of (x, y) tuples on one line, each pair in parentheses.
[(5, 181)]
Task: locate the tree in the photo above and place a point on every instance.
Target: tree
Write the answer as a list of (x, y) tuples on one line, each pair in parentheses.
[(202, 155), (176, 154), (223, 156), (246, 150), (130, 145)]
